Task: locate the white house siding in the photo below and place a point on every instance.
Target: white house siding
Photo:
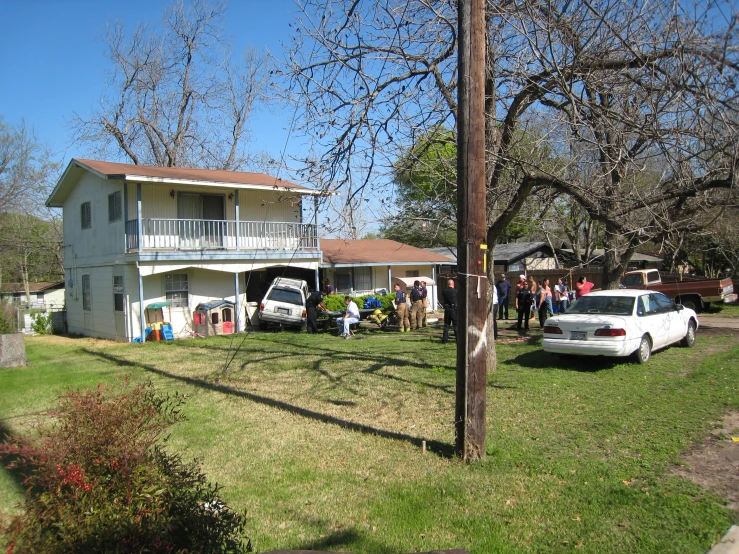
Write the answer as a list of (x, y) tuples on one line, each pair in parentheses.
[(264, 205), (203, 285), (102, 238), (97, 322), (254, 205)]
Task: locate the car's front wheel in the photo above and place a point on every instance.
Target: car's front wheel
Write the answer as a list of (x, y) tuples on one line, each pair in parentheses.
[(644, 352), (689, 338)]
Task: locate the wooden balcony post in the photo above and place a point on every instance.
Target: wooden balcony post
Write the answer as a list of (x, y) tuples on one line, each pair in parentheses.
[(236, 215)]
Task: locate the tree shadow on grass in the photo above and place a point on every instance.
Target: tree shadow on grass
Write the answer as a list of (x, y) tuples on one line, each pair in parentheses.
[(442, 449), (538, 359)]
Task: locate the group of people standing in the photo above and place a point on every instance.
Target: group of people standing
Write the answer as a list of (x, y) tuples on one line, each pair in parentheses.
[(414, 317), (532, 298)]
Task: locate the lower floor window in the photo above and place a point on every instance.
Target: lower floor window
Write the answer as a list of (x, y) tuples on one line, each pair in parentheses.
[(118, 293), (86, 293), (176, 289)]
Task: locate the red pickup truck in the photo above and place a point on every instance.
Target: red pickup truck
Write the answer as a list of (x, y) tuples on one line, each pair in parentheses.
[(695, 294)]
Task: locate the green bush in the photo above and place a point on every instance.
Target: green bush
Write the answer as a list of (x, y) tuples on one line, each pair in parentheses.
[(99, 480), (335, 302), (42, 323)]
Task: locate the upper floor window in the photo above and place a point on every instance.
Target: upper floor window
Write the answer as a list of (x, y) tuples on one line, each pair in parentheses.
[(176, 289), (86, 215), (115, 206)]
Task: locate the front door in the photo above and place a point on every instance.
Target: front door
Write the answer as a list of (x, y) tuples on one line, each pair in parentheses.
[(119, 307)]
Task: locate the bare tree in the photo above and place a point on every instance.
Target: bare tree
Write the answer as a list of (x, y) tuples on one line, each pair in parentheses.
[(623, 87), (175, 97), (26, 171)]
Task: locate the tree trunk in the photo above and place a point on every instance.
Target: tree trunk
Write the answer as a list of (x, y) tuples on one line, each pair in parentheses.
[(617, 257)]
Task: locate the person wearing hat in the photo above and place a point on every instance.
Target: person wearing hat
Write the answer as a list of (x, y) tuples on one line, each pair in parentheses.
[(503, 287), (314, 301)]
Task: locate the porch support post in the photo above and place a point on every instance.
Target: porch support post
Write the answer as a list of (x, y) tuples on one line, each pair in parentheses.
[(318, 282), (142, 319), (389, 279), (140, 222), (236, 211), (436, 292), (237, 306), (315, 223), (125, 216)]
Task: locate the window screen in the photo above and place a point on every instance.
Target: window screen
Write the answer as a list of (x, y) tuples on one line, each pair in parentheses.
[(86, 215), (118, 293), (115, 207), (176, 289), (86, 293), (363, 278)]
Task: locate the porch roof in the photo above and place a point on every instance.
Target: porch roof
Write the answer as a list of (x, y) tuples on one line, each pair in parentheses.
[(168, 176)]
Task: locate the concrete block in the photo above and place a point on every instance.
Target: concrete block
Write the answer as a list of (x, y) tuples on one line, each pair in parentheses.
[(13, 350)]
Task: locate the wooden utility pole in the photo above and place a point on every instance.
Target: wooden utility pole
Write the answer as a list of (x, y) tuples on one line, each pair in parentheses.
[(471, 231)]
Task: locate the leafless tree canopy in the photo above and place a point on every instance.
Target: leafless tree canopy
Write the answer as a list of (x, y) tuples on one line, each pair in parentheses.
[(25, 170), (638, 101), (175, 97)]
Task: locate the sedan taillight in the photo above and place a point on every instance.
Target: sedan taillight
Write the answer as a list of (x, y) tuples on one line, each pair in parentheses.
[(610, 333), (552, 330), (305, 314), (261, 307)]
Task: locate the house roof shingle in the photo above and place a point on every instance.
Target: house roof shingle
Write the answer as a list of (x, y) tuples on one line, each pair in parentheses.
[(33, 287), (340, 252), (169, 175)]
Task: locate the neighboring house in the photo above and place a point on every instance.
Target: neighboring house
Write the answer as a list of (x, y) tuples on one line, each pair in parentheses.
[(365, 266), (639, 260), (514, 256), (44, 295), (136, 235)]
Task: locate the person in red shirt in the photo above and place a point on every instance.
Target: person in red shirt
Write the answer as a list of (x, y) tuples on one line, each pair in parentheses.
[(583, 287)]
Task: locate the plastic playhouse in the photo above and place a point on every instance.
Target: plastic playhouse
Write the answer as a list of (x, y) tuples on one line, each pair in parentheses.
[(214, 318), (157, 327)]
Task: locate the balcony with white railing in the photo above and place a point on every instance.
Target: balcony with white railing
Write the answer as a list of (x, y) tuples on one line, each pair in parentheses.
[(204, 234)]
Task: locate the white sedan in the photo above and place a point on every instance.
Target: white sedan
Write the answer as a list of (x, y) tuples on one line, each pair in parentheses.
[(620, 323)]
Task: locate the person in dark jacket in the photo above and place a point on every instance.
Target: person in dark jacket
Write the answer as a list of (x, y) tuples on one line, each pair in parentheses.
[(450, 310), (416, 305), (314, 301), (524, 301), (503, 287)]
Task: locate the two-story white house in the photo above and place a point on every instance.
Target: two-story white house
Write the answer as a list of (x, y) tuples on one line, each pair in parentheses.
[(138, 235)]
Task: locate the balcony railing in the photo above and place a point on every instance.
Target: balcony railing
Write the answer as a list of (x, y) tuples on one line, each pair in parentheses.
[(205, 234)]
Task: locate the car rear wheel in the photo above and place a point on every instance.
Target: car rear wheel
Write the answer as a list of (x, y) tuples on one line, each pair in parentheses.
[(644, 352), (689, 338)]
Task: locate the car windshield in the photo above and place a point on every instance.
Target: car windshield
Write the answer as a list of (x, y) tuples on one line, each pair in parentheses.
[(633, 280), (613, 305), (288, 296)]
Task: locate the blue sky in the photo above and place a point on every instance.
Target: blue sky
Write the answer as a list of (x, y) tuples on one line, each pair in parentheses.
[(52, 61)]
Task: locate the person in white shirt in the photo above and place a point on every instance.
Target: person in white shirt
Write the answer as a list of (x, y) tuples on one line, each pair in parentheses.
[(351, 316)]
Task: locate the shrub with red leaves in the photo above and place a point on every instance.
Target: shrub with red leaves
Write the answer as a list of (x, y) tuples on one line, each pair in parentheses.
[(99, 480)]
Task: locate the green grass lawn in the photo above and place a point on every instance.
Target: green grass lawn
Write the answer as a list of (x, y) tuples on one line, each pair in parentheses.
[(723, 310), (319, 439)]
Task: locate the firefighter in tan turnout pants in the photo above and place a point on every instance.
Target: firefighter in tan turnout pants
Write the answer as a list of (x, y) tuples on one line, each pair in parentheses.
[(401, 307)]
